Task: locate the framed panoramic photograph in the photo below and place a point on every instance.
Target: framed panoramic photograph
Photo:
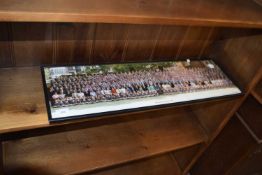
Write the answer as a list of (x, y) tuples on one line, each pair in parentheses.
[(94, 90)]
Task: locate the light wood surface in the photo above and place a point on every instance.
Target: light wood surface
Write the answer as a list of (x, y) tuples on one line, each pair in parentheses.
[(22, 99), (102, 146), (199, 12)]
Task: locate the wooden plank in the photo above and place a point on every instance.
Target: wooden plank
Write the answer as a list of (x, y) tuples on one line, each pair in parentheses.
[(6, 57), (109, 43), (168, 42), (164, 164), (73, 43), (202, 12), (239, 57), (32, 43), (141, 42), (106, 145), (193, 42), (22, 98)]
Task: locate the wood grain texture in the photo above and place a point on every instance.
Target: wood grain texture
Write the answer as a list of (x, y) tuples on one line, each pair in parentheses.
[(73, 43), (193, 42), (227, 148), (109, 44), (239, 57), (6, 57), (210, 115), (22, 98), (102, 146), (202, 12), (141, 42), (168, 42), (32, 43), (164, 164)]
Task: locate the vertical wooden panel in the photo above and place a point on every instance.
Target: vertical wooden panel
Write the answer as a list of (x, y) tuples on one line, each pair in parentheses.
[(32, 43), (168, 42), (141, 42), (193, 42), (5, 47), (232, 143), (109, 43), (74, 42), (239, 57), (218, 109)]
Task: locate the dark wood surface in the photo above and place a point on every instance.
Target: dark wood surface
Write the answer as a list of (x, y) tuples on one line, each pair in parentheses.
[(257, 91), (251, 111), (185, 155), (1, 159), (106, 145), (233, 142), (249, 165), (201, 12), (212, 114), (32, 44), (164, 164)]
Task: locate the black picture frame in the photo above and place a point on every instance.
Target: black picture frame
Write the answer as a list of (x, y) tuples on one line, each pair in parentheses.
[(145, 108)]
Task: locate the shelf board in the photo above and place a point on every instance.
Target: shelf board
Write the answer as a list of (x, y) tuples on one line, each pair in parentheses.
[(164, 164), (23, 111), (103, 146), (199, 12)]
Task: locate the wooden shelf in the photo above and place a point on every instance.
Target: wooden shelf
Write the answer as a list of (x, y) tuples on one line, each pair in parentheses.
[(200, 12), (23, 111), (164, 164), (106, 145)]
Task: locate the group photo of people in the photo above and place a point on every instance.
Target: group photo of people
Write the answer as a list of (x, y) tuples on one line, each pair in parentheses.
[(79, 85)]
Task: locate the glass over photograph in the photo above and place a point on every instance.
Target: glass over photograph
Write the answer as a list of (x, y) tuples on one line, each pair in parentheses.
[(96, 89)]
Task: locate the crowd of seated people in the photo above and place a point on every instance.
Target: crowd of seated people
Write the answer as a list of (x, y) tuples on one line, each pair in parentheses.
[(80, 89)]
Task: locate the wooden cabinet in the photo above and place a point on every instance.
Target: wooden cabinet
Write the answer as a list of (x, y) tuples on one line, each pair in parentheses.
[(160, 141)]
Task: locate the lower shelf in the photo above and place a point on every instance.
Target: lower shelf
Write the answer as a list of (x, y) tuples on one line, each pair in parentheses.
[(99, 147), (164, 164)]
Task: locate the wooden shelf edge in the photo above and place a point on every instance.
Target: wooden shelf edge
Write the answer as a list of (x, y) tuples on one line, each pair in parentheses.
[(118, 144), (135, 160), (255, 137), (127, 19), (144, 166)]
